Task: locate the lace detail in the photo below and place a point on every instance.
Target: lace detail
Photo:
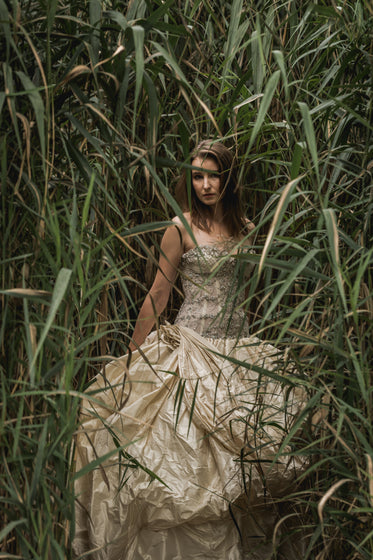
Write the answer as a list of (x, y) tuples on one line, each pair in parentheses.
[(213, 283)]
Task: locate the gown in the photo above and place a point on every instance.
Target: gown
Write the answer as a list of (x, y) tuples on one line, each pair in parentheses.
[(181, 455)]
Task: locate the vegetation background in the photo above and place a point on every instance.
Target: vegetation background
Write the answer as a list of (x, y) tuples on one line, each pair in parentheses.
[(100, 102)]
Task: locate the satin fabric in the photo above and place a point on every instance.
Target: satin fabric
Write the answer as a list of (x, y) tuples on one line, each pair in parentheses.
[(180, 456)]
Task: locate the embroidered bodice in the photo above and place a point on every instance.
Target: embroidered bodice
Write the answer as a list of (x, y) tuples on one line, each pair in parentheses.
[(213, 285)]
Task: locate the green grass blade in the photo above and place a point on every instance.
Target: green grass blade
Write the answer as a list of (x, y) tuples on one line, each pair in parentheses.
[(38, 105), (280, 210), (333, 237), (59, 291), (310, 136), (264, 105)]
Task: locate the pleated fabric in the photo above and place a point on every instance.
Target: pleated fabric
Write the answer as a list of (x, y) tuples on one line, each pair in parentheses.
[(182, 455)]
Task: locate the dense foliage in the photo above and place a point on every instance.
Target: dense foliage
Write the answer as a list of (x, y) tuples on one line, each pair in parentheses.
[(100, 103)]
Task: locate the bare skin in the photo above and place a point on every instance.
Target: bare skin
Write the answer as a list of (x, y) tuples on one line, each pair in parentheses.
[(177, 241)]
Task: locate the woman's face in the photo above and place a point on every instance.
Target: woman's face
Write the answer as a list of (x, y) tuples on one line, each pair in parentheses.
[(206, 181)]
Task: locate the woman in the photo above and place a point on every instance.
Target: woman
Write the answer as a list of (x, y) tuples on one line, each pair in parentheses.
[(191, 439)]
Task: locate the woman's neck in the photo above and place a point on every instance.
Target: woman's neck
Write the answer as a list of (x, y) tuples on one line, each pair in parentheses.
[(216, 232), (215, 218)]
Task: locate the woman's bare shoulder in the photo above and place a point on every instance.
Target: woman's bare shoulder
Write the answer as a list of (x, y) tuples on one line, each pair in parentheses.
[(180, 224), (188, 219), (185, 231)]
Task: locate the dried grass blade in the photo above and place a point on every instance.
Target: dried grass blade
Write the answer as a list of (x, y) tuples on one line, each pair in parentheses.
[(329, 493), (25, 292), (74, 73)]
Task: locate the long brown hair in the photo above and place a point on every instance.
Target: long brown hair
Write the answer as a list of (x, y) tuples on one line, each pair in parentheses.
[(233, 214)]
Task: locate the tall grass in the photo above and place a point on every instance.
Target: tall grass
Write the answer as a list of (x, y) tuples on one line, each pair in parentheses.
[(99, 102)]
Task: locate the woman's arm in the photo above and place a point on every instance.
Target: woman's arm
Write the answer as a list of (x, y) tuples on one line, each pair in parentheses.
[(157, 297)]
